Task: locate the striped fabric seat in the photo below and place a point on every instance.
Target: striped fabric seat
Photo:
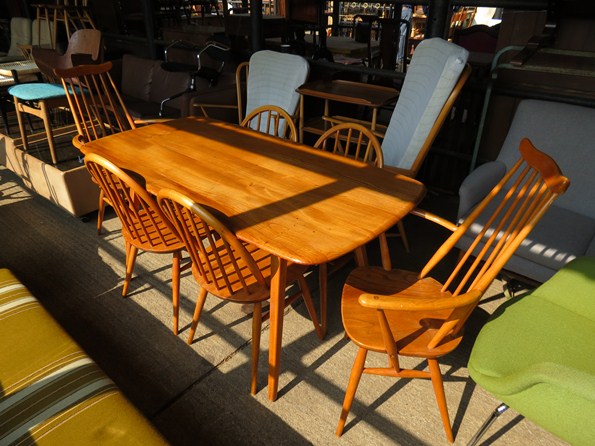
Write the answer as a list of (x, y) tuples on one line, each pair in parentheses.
[(52, 393)]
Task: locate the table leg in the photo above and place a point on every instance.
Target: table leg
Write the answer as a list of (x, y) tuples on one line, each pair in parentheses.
[(374, 117), (278, 284), (301, 118)]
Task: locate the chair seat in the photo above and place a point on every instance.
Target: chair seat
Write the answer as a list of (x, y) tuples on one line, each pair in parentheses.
[(412, 330), (37, 91)]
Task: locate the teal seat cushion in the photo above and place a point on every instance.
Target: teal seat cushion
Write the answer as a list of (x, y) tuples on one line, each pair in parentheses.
[(537, 353), (36, 91)]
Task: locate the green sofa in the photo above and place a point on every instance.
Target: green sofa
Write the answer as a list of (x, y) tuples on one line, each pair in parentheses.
[(51, 392), (537, 354)]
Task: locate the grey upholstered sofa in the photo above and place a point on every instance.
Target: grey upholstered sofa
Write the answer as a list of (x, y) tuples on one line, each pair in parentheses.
[(567, 133)]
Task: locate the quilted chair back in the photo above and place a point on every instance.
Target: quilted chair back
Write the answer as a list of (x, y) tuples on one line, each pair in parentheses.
[(273, 78), (435, 69)]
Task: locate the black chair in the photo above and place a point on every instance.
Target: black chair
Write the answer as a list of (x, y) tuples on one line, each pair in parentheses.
[(210, 60)]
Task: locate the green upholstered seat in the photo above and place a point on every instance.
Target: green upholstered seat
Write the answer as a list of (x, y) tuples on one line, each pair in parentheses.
[(537, 354), (51, 392)]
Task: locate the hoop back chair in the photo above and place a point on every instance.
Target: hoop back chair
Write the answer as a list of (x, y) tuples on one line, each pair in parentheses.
[(272, 120), (403, 313), (97, 108), (351, 140), (227, 267), (143, 224)]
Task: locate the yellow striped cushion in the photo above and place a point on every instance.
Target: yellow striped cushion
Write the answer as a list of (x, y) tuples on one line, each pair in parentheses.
[(52, 392)]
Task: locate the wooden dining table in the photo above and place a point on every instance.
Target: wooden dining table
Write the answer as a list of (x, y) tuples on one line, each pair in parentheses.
[(300, 204)]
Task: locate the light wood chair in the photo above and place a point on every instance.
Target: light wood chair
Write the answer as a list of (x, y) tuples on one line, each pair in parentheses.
[(351, 140), (97, 108), (354, 141), (272, 120), (405, 313), (227, 267), (143, 224)]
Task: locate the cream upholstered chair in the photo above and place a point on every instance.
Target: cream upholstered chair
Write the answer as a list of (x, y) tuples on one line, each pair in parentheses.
[(273, 78), (434, 79), (268, 78), (20, 34)]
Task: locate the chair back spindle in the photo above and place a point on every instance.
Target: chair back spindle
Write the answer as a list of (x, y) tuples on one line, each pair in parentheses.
[(95, 103), (354, 141)]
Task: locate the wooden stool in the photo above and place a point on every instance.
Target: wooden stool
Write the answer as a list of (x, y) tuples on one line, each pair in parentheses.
[(38, 99)]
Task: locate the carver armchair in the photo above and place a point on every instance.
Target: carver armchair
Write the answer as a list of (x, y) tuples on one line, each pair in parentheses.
[(403, 313)]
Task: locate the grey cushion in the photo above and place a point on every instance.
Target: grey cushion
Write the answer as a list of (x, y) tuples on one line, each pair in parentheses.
[(559, 237), (566, 133)]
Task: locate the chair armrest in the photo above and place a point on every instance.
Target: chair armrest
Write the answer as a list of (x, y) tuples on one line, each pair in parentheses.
[(478, 184), (395, 302), (434, 218)]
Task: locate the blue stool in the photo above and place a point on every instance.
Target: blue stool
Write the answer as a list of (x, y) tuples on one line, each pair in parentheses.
[(38, 99)]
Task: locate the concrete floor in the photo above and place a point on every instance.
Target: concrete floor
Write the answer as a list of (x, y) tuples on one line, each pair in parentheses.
[(199, 394)]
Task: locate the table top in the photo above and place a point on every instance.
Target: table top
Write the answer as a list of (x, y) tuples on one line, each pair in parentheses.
[(299, 203), (22, 67), (350, 92)]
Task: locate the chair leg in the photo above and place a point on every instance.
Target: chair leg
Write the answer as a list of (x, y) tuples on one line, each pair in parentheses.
[(200, 303), (175, 287), (100, 211), (356, 374), (438, 385), (256, 329), (483, 429), (403, 235), (131, 252), (310, 306), (384, 252)]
